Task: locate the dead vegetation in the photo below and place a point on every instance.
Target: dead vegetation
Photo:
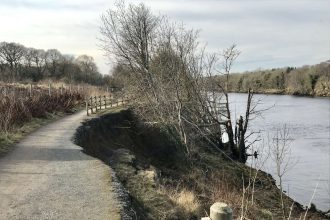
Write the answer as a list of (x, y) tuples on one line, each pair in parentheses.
[(16, 109), (19, 108)]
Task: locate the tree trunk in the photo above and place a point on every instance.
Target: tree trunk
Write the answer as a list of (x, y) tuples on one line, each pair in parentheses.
[(241, 143)]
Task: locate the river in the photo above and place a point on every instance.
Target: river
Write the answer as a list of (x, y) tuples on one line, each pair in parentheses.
[(308, 122)]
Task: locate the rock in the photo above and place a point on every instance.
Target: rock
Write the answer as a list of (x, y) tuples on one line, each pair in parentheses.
[(220, 211)]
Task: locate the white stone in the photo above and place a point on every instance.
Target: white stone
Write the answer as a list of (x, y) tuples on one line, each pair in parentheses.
[(220, 211), (225, 137)]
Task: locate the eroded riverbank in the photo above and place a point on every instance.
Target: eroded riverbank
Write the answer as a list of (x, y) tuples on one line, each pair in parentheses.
[(162, 183)]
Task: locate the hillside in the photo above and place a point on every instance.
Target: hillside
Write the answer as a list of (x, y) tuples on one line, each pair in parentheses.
[(311, 80)]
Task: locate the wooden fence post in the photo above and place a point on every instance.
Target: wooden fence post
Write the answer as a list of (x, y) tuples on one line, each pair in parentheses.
[(105, 102), (87, 106), (91, 103), (100, 102), (95, 102), (30, 90)]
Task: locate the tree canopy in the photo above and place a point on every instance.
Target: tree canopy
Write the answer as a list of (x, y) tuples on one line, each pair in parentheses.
[(20, 63)]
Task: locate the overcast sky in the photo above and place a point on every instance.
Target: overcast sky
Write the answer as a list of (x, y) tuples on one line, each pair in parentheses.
[(270, 33)]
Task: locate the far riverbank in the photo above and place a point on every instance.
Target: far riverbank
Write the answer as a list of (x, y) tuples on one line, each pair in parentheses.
[(283, 92)]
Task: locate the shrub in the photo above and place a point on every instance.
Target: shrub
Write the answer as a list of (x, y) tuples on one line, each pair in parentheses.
[(17, 108)]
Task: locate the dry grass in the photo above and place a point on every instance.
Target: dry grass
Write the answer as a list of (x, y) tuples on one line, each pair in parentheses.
[(220, 191), (186, 200), (19, 103), (16, 110), (57, 87), (19, 109)]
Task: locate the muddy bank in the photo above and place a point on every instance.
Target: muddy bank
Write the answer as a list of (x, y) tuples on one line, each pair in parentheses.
[(132, 150), (158, 182)]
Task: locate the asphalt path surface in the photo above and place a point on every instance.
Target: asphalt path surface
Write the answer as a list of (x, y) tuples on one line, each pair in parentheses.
[(47, 176)]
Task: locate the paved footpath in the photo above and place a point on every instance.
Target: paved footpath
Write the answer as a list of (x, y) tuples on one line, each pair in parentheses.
[(49, 177)]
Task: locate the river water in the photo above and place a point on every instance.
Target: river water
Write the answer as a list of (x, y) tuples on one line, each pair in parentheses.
[(308, 122)]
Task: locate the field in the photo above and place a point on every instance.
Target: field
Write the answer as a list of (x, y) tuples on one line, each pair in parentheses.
[(24, 107)]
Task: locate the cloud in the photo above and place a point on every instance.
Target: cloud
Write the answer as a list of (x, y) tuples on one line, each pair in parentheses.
[(269, 33), (54, 4), (285, 33)]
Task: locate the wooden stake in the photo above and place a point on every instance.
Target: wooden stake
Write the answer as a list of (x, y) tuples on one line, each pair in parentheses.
[(87, 106), (30, 90), (91, 103)]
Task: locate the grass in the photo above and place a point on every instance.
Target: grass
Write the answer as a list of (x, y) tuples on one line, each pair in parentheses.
[(185, 199)]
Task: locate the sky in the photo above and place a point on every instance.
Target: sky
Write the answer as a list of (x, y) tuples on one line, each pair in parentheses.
[(269, 33)]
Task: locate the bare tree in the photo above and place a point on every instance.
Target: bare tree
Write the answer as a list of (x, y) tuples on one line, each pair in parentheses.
[(12, 53), (128, 33), (86, 64), (20, 63), (39, 61), (2, 64), (53, 58), (28, 57), (215, 102), (87, 67), (173, 67), (171, 74), (281, 155), (65, 66), (237, 133)]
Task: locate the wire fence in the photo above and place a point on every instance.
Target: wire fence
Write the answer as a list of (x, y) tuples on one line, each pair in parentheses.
[(29, 90)]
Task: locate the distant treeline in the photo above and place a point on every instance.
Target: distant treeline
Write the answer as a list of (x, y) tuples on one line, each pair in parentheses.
[(307, 80), (20, 63)]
